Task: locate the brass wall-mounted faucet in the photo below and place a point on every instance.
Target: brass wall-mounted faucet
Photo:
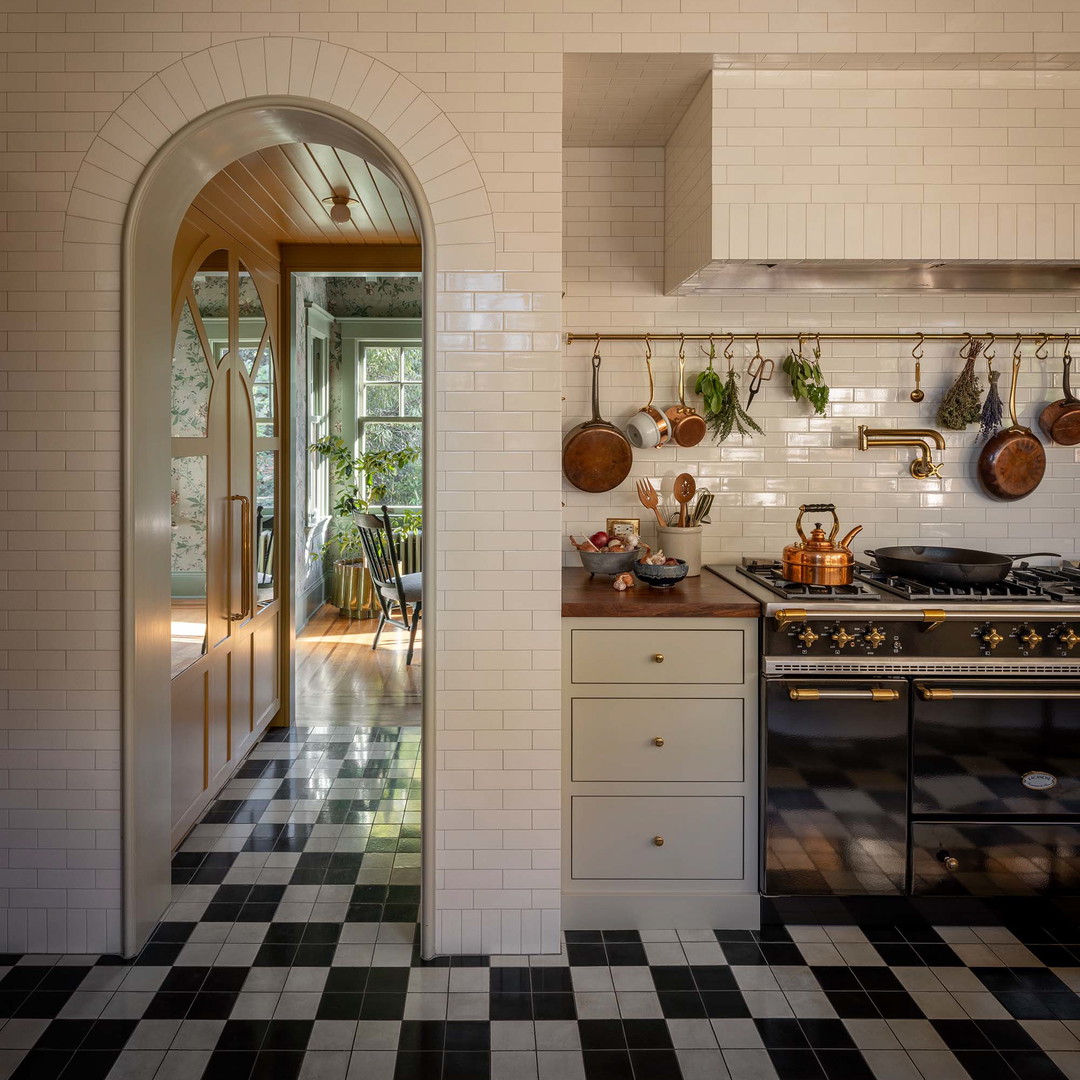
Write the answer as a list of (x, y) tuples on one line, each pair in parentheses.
[(923, 467)]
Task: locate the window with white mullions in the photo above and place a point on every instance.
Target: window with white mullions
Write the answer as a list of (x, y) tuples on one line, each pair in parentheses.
[(389, 411)]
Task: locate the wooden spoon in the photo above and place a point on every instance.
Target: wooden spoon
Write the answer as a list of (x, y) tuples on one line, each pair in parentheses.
[(684, 491)]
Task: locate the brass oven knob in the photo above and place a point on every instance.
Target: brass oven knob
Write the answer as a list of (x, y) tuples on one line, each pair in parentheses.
[(808, 637), (842, 637), (658, 841), (950, 862), (1032, 638), (991, 638), (874, 637), (658, 657), (1068, 637), (658, 741)]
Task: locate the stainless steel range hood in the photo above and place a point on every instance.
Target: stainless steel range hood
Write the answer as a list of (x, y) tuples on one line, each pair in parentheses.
[(881, 276)]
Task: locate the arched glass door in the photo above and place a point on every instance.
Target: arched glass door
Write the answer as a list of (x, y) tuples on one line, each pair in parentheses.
[(226, 447)]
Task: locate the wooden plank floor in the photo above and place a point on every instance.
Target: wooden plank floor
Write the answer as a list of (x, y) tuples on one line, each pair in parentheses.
[(340, 680)]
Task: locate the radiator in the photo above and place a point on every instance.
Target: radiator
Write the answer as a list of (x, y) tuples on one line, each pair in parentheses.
[(410, 548)]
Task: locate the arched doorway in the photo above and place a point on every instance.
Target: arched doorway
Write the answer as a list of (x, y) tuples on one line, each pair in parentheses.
[(171, 180)]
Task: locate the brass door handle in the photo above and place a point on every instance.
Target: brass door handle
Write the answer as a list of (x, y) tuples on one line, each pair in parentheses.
[(874, 694), (247, 568), (948, 693), (658, 657)]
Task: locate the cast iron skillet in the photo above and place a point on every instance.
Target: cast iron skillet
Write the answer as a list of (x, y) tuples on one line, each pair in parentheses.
[(951, 566)]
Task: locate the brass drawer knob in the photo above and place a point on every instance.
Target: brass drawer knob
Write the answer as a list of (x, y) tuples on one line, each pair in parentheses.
[(658, 741), (659, 657), (658, 841)]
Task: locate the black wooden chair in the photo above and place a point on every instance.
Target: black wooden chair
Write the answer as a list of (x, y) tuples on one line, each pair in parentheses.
[(393, 589)]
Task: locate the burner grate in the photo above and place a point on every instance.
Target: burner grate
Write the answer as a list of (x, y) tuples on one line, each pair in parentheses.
[(768, 574), (1011, 588)]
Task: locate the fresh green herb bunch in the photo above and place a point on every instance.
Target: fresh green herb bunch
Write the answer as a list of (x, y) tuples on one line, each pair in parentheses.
[(962, 403), (711, 388), (807, 381), (732, 415)]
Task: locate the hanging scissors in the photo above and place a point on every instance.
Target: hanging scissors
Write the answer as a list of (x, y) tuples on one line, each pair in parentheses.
[(759, 369)]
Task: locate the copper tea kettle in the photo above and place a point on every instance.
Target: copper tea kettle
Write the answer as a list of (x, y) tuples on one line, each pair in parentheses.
[(820, 559)]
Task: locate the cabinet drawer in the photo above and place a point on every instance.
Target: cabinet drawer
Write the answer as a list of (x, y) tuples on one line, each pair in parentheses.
[(630, 656), (615, 837), (614, 739)]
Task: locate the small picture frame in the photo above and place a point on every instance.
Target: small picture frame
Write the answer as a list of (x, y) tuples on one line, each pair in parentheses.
[(623, 526)]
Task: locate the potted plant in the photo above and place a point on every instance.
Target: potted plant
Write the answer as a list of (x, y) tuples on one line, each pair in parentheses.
[(359, 481)]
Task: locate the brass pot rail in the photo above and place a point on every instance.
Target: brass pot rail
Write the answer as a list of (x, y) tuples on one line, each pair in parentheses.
[(808, 336)]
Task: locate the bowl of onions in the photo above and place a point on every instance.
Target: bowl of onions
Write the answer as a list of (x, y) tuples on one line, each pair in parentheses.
[(605, 554)]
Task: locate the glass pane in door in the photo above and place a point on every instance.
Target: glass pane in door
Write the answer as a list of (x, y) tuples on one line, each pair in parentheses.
[(188, 563), (190, 379), (262, 391), (265, 503), (252, 318)]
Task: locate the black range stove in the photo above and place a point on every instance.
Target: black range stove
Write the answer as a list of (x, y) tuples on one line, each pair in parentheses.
[(919, 739)]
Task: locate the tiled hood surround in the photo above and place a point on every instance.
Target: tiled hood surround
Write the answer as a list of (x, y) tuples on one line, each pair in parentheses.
[(614, 227), (896, 170)]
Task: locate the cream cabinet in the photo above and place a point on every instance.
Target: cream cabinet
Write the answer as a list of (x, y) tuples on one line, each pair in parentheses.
[(660, 773)]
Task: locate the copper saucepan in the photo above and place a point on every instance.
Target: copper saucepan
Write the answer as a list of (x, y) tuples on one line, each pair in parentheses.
[(1060, 420), (687, 427), (649, 428)]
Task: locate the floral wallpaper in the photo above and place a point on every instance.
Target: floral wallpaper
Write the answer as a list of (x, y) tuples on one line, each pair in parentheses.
[(212, 295), (374, 298), (190, 380), (188, 514)]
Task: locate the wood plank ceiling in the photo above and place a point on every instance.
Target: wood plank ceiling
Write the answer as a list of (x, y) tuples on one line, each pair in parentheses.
[(276, 195)]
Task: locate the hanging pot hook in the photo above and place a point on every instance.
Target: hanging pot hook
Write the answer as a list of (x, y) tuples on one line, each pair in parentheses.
[(1016, 348), (917, 352), (1040, 349), (989, 347), (1066, 356), (648, 349), (965, 349), (682, 348), (799, 355), (758, 358), (711, 353), (596, 348), (817, 345), (729, 353)]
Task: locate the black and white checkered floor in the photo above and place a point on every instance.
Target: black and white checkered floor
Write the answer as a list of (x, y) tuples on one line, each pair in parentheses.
[(290, 952)]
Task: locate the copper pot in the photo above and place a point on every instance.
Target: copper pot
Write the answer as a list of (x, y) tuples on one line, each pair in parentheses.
[(687, 427), (820, 559)]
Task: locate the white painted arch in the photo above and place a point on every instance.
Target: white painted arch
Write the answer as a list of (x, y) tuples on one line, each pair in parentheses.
[(139, 176)]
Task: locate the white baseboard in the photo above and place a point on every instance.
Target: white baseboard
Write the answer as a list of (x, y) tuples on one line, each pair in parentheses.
[(660, 911)]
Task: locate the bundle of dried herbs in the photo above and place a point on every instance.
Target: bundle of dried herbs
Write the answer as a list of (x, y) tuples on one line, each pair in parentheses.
[(962, 403), (807, 381), (992, 410), (731, 415), (711, 388)]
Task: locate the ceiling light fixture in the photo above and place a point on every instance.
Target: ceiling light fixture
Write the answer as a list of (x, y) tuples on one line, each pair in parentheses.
[(339, 211)]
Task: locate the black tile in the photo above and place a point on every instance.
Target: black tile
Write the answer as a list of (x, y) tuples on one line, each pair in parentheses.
[(1032, 1065), (602, 1034), (346, 980), (961, 1035), (713, 977), (626, 954), (647, 1035), (796, 1064), (938, 956), (168, 1006), (984, 1065), (724, 1004), (321, 933), (212, 1006), (781, 1032), (680, 1005), (426, 1065), (474, 1035), (173, 931), (24, 978), (744, 954), (242, 1035), (780, 955), (229, 1065), (383, 1006), (836, 978), (1062, 1006), (581, 955), (64, 1034), (621, 935), (654, 1064), (288, 1035), (340, 1007), (511, 1006), (226, 979), (314, 955), (466, 1065), (42, 1065), (184, 979), (853, 1005), (607, 1065), (550, 980), (849, 1064), (554, 1007), (63, 977), (896, 1006), (90, 1065), (826, 1034), (673, 978), (899, 955), (510, 980), (1023, 1005), (109, 1034), (877, 978), (1006, 1035), (422, 1035), (39, 1005), (271, 955), (387, 980)]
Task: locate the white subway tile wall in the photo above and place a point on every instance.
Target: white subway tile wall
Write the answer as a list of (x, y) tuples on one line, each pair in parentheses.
[(91, 90), (614, 238)]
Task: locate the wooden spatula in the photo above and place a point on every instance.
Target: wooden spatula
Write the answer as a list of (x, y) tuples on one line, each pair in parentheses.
[(683, 491)]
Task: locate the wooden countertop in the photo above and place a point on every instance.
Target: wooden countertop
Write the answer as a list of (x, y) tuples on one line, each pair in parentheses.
[(706, 596)]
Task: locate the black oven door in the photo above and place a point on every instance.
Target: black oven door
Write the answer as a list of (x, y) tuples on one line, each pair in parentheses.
[(1006, 746), (835, 783)]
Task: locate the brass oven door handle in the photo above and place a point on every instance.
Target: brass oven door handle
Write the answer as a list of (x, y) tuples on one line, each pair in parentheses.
[(947, 693), (874, 694), (247, 566)]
